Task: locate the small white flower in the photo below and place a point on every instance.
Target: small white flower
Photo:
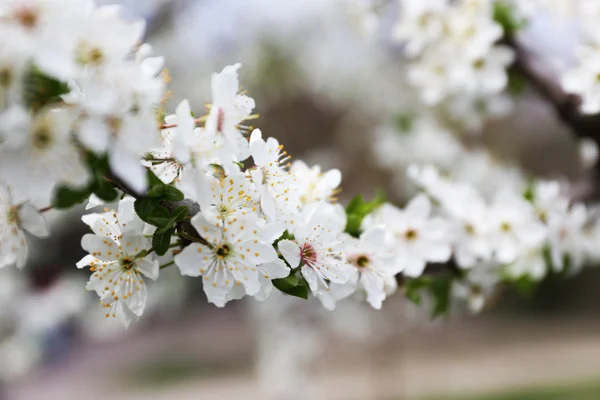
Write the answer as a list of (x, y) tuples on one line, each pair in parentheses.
[(317, 249), (588, 152), (478, 286), (420, 24), (39, 154), (234, 260), (514, 224), (223, 200), (374, 261), (278, 194), (120, 261), (583, 79), (566, 237), (15, 219), (530, 262), (468, 224), (416, 237), (313, 185), (228, 109)]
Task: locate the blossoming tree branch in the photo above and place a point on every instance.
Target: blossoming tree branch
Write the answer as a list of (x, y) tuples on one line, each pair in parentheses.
[(82, 119)]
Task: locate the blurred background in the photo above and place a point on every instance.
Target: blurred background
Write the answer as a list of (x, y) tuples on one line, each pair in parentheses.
[(331, 88)]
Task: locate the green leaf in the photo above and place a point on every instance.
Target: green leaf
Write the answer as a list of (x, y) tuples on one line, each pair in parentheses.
[(180, 213), (299, 291), (414, 287), (525, 285), (40, 90), (65, 197), (172, 194), (404, 123), (153, 180), (517, 83), (357, 209), (160, 217), (292, 285), (161, 241), (151, 211), (441, 289), (157, 189), (505, 15), (287, 283)]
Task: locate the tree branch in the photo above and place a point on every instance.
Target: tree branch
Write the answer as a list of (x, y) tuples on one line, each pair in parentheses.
[(566, 106)]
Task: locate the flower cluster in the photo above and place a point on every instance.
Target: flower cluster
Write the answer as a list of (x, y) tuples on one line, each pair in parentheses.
[(81, 118), (454, 53), (75, 81), (582, 79), (513, 235)]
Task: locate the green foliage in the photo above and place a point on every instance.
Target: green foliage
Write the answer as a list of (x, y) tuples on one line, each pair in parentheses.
[(441, 288), (67, 197), (505, 15), (516, 83), (161, 240), (292, 285), (358, 209), (414, 287), (157, 189), (404, 123), (40, 90), (438, 286), (151, 209)]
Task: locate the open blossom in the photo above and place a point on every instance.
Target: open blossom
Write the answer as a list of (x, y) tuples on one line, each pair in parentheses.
[(416, 237), (38, 154), (317, 249), (566, 236), (228, 110), (583, 79), (374, 262), (478, 286), (278, 194), (513, 225), (15, 219), (312, 184), (234, 255), (530, 262), (469, 228), (120, 258), (226, 199), (420, 24)]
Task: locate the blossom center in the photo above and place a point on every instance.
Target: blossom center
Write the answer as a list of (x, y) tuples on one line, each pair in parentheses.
[(411, 234), (41, 138), (505, 227), (470, 229), (362, 261), (308, 254), (89, 55), (27, 17), (479, 63), (127, 263), (223, 251)]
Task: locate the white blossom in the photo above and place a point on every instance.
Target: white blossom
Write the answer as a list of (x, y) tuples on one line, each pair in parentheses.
[(416, 236), (120, 258), (233, 260), (15, 220)]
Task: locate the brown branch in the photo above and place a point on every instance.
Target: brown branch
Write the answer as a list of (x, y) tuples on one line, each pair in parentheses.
[(567, 107)]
